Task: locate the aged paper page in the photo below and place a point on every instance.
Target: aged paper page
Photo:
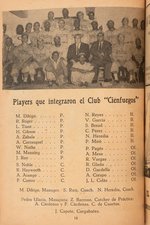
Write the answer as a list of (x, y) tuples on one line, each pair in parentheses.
[(147, 154), (72, 112), (147, 116)]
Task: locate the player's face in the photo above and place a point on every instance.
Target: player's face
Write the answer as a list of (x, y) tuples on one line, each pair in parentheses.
[(100, 37), (110, 25), (55, 57), (57, 40), (142, 25), (50, 15), (19, 29), (82, 59), (138, 42), (95, 26), (77, 24), (47, 25), (36, 27), (65, 13), (125, 22), (77, 39), (80, 16), (121, 38), (61, 24), (91, 16), (135, 23), (40, 43), (24, 39), (8, 42), (29, 28)]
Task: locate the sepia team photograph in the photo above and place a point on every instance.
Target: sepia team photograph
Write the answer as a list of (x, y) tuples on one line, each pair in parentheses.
[(73, 48)]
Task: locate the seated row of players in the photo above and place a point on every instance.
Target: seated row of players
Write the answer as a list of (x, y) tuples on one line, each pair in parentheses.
[(83, 65)]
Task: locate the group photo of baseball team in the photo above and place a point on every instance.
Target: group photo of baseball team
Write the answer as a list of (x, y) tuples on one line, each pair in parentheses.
[(73, 48)]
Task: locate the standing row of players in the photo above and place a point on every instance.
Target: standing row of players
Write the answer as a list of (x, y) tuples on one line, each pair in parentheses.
[(74, 50)]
